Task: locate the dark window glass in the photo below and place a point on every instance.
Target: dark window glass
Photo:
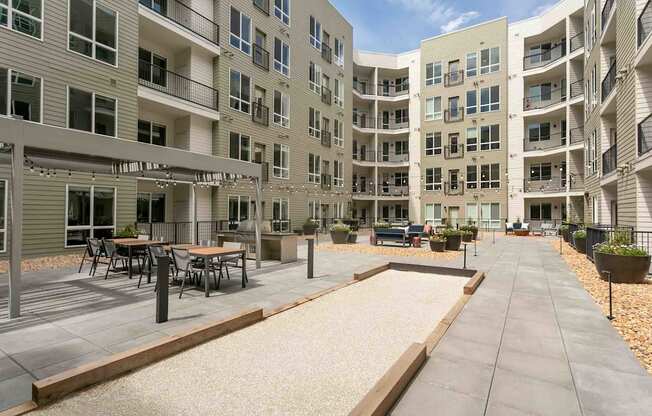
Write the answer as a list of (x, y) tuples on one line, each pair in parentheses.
[(103, 206), (80, 104), (104, 116)]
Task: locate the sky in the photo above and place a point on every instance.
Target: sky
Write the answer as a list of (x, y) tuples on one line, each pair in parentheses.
[(395, 26)]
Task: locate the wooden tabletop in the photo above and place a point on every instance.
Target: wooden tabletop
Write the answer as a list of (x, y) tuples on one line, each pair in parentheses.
[(134, 242), (214, 251), (180, 247)]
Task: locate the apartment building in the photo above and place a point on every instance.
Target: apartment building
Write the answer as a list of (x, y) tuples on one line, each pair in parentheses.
[(546, 116), (259, 81)]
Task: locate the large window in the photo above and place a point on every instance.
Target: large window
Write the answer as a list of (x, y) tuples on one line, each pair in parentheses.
[(282, 11), (338, 173), (433, 108), (314, 123), (338, 133), (433, 73), (471, 64), (314, 78), (150, 207), (339, 52), (281, 57), (152, 68), (91, 112), (592, 153), (540, 212), (490, 176), (433, 214), (20, 95), (490, 99), (240, 31), (471, 139), (152, 133), (314, 168), (471, 102), (490, 215), (339, 92), (281, 161), (433, 179), (281, 215), (472, 177), (240, 92), (541, 172), (281, 109), (24, 16), (90, 213), (3, 216), (315, 33), (240, 147), (490, 137), (433, 144), (538, 132), (238, 209), (92, 30), (489, 60)]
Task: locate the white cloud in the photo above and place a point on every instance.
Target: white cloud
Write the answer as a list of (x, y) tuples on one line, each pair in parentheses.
[(542, 9), (437, 12), (459, 21)]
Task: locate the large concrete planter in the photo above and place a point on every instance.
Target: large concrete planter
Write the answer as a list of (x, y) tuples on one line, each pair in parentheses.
[(438, 246), (353, 238), (309, 229), (340, 237), (623, 269), (453, 242), (566, 235), (580, 245), (467, 238)]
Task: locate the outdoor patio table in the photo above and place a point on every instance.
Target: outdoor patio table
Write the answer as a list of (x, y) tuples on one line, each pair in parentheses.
[(129, 244), (208, 253)]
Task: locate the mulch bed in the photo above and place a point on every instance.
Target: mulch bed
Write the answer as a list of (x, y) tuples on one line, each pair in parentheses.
[(389, 250), (632, 303), (39, 264)]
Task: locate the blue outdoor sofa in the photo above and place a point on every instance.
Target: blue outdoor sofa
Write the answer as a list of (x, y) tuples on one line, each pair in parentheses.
[(398, 235)]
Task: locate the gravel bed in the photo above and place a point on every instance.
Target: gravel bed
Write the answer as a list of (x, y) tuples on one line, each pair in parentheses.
[(317, 359), (632, 303), (389, 250), (39, 264)]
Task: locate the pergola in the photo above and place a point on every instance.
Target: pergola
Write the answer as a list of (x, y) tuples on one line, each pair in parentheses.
[(64, 149)]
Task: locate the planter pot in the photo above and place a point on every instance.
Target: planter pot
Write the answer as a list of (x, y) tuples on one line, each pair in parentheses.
[(309, 229), (453, 242), (353, 238), (467, 238), (565, 235), (438, 246), (475, 234), (340, 237), (580, 245), (623, 269)]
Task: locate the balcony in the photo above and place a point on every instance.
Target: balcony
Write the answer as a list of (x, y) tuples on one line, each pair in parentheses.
[(454, 115), (326, 95), (326, 138), (326, 181), (262, 5), (609, 160), (260, 57), (454, 78), (540, 59), (577, 42), (544, 142), (645, 135), (577, 135), (185, 17), (454, 188), (363, 88), (366, 156), (606, 12), (553, 184), (577, 88), (393, 123), (544, 100), (175, 85), (393, 190), (644, 24), (326, 53), (364, 121), (609, 82), (391, 91), (260, 114), (455, 151)]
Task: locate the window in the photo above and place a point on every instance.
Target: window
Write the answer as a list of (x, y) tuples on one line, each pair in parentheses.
[(538, 132), (433, 108), (91, 112), (314, 168), (402, 148), (472, 213), (281, 57), (281, 161), (151, 133), (338, 173), (314, 123), (92, 30), (281, 109), (240, 147), (471, 64), (238, 209), (150, 207), (433, 73), (240, 31), (489, 60), (315, 33), (541, 172), (490, 99), (540, 212), (592, 153), (472, 139), (471, 102), (90, 213), (433, 214), (490, 215), (281, 215), (338, 133), (314, 210), (339, 210), (3, 215), (314, 78), (25, 17), (433, 144), (490, 137), (490, 176), (240, 92), (282, 11), (472, 177), (339, 92), (20, 95), (339, 52), (152, 68), (433, 179)]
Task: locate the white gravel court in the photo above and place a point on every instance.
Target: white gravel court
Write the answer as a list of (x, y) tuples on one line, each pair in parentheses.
[(320, 358)]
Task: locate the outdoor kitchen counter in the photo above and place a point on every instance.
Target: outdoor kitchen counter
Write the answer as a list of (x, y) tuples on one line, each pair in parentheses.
[(275, 246)]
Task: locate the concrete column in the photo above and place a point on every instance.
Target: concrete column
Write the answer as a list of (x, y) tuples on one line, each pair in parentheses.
[(16, 244)]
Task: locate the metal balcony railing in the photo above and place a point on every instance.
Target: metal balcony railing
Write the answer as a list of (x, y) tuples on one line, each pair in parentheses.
[(176, 85), (392, 158), (455, 151), (393, 190), (184, 16), (577, 88), (454, 188), (326, 181), (644, 24), (645, 135), (393, 123), (544, 142), (609, 160), (326, 95), (552, 184), (606, 12), (454, 78), (539, 59), (260, 57), (365, 156), (577, 42), (363, 88), (609, 81), (391, 90), (453, 115), (577, 135), (364, 121), (326, 138), (547, 99), (260, 114), (326, 52)]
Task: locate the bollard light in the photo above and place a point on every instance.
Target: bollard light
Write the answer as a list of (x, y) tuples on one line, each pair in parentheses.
[(611, 315)]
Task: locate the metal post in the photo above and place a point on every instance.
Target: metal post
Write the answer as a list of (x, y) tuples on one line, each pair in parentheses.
[(475, 248), (162, 289), (193, 216), (259, 222), (16, 244), (494, 234), (465, 244), (311, 257), (561, 240), (611, 315)]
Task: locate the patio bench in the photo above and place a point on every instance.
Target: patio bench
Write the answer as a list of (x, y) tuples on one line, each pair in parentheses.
[(398, 235)]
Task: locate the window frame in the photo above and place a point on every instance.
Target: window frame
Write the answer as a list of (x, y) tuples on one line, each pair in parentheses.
[(11, 10), (489, 68), (240, 199), (435, 115), (339, 52), (315, 39), (9, 110), (472, 144), (280, 14), (471, 71), (433, 150), (90, 227), (494, 142), (239, 99), (280, 66), (316, 72), (490, 181), (314, 176), (471, 184), (281, 171), (471, 109), (434, 220), (314, 130), (240, 149), (93, 41), (3, 224), (338, 173), (338, 89), (489, 106), (434, 185), (436, 79), (281, 119), (338, 132), (153, 124), (149, 200), (239, 38), (93, 95), (284, 222)]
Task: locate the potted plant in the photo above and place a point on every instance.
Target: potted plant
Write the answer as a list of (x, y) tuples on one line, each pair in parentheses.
[(517, 224), (579, 237), (564, 230), (438, 243), (353, 237), (309, 227), (625, 263), (467, 236), (453, 239), (340, 233), (472, 229), (128, 232)]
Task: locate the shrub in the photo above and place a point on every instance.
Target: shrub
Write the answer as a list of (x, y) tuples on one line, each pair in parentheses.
[(471, 228), (128, 232), (621, 238), (381, 225), (465, 232), (340, 228), (620, 250), (309, 221), (564, 228), (438, 238), (451, 232), (581, 234)]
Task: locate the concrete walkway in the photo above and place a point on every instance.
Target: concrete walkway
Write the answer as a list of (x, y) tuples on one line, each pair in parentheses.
[(531, 341)]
